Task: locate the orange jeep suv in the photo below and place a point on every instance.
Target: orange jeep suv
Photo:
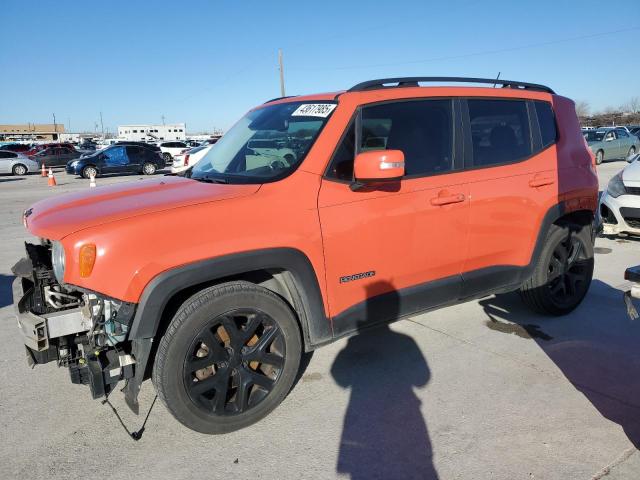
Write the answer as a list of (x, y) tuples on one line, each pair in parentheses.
[(391, 198)]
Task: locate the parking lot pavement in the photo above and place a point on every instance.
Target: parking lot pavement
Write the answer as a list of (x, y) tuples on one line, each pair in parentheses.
[(481, 390)]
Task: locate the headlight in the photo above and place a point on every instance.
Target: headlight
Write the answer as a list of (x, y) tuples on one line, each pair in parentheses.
[(58, 261)]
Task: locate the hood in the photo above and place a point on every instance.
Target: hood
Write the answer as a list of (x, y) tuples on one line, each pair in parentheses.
[(631, 174), (57, 217)]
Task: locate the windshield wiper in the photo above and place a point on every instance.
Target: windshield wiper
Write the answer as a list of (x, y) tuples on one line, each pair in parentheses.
[(210, 179)]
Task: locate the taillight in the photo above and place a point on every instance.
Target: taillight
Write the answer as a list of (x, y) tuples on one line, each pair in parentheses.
[(186, 160)]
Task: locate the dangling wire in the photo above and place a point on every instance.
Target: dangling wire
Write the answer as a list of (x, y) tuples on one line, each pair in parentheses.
[(137, 435)]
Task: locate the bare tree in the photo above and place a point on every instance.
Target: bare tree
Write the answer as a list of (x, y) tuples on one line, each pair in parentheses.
[(582, 108), (633, 105)]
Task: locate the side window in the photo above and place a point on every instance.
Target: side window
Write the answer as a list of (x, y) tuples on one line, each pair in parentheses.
[(499, 131), (622, 133), (4, 155), (610, 136), (547, 123), (134, 153), (421, 129), (117, 156)]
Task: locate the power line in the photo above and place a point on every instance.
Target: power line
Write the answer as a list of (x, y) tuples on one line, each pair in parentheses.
[(475, 54)]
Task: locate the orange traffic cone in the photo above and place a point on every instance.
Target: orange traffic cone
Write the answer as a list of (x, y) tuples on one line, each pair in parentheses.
[(43, 172), (52, 179)]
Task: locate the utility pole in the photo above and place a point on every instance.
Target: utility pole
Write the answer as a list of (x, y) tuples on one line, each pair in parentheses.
[(101, 125), (55, 125), (69, 123), (162, 117), (282, 91)]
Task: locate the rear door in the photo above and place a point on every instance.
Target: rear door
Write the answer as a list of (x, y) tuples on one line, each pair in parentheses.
[(625, 143), (135, 157), (395, 248), (514, 181)]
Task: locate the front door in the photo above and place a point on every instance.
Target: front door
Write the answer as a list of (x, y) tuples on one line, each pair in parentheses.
[(395, 248), (116, 160)]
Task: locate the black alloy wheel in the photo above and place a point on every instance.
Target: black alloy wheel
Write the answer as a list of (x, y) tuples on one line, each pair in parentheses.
[(234, 362), (229, 356), (569, 271)]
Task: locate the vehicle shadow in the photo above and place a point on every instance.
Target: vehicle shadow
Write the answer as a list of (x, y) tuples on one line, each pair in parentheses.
[(597, 348), (384, 434), (11, 179), (6, 295)]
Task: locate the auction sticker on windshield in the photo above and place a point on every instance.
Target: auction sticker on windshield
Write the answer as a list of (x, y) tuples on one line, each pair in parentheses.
[(314, 110)]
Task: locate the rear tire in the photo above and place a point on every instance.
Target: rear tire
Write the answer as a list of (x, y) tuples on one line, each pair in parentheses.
[(228, 358), (563, 273), (167, 157), (599, 157), (632, 152), (149, 168), (19, 169)]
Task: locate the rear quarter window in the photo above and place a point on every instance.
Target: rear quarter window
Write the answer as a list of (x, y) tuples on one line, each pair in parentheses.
[(546, 122)]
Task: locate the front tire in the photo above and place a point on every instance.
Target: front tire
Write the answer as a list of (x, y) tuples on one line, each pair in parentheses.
[(19, 169), (167, 157), (632, 152), (563, 273), (228, 358), (88, 172)]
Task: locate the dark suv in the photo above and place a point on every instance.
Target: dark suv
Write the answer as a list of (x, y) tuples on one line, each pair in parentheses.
[(117, 159)]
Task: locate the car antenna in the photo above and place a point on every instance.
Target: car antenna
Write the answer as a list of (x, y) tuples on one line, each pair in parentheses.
[(497, 78)]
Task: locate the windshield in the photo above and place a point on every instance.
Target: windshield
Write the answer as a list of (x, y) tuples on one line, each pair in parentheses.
[(265, 145), (594, 136)]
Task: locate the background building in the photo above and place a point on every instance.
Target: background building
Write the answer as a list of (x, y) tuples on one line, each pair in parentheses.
[(31, 131), (173, 131)]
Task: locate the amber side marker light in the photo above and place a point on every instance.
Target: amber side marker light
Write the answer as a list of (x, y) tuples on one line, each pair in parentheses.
[(87, 259)]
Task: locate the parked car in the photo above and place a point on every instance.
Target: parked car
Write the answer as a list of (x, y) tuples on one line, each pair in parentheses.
[(169, 149), (612, 143), (476, 191), (117, 159), (187, 159), (277, 151), (17, 147), (38, 147), (55, 155), (620, 204), (16, 163)]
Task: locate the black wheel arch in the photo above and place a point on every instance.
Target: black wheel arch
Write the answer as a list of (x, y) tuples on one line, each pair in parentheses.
[(286, 271)]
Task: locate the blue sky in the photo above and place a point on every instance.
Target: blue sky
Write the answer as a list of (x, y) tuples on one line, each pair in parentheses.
[(207, 62)]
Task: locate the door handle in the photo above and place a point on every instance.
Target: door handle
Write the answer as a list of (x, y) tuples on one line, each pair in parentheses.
[(447, 199), (541, 182)]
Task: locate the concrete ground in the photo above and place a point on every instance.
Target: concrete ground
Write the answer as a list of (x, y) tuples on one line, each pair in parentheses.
[(477, 391)]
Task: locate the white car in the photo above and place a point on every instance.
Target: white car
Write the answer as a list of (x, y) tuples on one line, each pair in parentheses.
[(171, 149), (620, 204), (17, 163), (183, 161), (267, 151)]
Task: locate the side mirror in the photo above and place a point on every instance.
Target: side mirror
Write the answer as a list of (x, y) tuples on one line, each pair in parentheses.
[(378, 166)]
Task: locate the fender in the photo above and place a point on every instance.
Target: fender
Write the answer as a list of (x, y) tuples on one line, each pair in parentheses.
[(316, 327)]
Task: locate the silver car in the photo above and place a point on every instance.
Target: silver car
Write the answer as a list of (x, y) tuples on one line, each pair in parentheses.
[(16, 163)]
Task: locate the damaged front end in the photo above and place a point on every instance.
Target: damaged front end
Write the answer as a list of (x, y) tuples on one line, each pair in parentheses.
[(76, 328)]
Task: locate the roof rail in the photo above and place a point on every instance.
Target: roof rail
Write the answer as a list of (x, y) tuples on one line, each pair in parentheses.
[(279, 98), (414, 82)]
